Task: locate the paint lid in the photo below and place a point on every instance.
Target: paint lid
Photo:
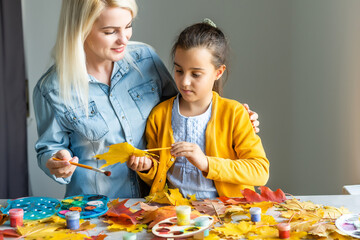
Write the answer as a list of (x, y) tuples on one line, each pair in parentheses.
[(255, 210), (202, 221), (72, 215), (283, 226), (183, 209), (129, 236), (16, 212)]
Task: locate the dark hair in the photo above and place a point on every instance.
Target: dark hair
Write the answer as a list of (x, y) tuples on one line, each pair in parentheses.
[(209, 37)]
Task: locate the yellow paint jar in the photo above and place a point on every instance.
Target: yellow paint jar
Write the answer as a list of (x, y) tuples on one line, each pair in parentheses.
[(183, 215)]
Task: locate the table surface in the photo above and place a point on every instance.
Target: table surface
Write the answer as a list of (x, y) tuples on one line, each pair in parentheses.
[(351, 202)]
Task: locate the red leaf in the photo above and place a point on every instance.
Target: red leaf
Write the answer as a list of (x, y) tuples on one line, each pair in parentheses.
[(121, 214), (277, 196), (99, 237), (9, 233), (251, 196)]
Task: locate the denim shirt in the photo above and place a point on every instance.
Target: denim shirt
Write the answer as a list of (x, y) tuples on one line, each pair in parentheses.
[(183, 174), (117, 113)]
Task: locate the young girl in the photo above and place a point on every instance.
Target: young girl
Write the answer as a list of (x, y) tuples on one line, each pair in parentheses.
[(215, 151)]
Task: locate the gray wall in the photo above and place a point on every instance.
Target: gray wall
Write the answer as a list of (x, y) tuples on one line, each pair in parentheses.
[(295, 63)]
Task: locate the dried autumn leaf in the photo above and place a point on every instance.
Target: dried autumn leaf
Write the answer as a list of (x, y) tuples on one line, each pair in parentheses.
[(322, 229), (9, 233), (99, 237), (250, 196), (170, 196), (301, 226), (294, 204), (85, 226), (263, 205), (334, 213), (235, 230), (3, 218), (158, 215), (120, 153), (114, 226), (209, 207), (121, 214)]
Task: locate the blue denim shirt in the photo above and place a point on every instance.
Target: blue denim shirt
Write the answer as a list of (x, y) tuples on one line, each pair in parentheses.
[(117, 113)]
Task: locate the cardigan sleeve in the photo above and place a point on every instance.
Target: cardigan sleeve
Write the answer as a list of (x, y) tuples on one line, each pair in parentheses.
[(151, 134), (249, 165)]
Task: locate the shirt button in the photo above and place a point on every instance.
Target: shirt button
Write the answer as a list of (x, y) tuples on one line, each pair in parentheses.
[(74, 118), (172, 159), (153, 89), (123, 117), (118, 75), (130, 140), (138, 96), (160, 180), (92, 112)]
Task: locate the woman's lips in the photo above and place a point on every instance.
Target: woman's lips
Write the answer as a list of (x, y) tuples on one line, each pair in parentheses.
[(119, 50)]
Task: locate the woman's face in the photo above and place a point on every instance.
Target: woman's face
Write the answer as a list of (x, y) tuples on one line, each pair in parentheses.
[(109, 35)]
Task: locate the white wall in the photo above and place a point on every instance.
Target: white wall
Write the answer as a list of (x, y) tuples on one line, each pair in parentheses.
[(294, 62)]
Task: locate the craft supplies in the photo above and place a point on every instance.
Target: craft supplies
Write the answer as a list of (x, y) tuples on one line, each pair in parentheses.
[(89, 206), (34, 208), (183, 215), (202, 222), (129, 236), (255, 213), (284, 230), (72, 220), (169, 229), (16, 217)]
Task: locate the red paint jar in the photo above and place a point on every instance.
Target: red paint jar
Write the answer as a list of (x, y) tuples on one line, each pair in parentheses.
[(284, 230), (16, 217)]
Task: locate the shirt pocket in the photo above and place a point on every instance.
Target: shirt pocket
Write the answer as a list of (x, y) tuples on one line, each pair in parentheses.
[(92, 127), (146, 96)]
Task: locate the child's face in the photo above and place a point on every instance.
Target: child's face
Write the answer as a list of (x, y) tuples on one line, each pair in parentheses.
[(195, 73)]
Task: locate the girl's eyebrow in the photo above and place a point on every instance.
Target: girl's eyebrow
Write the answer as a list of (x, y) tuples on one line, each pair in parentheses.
[(194, 68)]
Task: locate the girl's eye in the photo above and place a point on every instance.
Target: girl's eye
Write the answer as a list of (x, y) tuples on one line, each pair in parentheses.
[(196, 75), (178, 71)]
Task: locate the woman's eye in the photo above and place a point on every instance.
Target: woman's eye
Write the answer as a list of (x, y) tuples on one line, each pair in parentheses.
[(196, 75), (129, 26), (109, 33)]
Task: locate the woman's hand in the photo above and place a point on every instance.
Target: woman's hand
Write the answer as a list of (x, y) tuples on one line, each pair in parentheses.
[(253, 118), (193, 153), (62, 169), (139, 163)]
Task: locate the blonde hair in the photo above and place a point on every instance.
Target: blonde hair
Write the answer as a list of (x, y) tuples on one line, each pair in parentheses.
[(76, 20)]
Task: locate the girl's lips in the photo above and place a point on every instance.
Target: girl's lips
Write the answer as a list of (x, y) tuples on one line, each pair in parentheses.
[(186, 91)]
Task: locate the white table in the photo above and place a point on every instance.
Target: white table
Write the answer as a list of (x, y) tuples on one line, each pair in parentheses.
[(352, 202)]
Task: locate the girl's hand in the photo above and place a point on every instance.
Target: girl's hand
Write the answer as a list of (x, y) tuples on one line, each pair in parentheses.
[(62, 169), (253, 118), (139, 163), (193, 153)]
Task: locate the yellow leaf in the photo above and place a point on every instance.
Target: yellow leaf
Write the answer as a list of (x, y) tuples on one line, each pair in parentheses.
[(239, 230), (120, 153), (301, 226), (333, 212), (294, 204), (129, 228), (170, 196), (212, 236), (322, 229), (263, 205)]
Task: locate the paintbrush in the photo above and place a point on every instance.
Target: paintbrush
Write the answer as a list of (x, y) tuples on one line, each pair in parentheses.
[(156, 149), (107, 173)]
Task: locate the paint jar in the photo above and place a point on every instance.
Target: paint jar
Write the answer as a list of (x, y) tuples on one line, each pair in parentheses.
[(129, 236), (16, 217), (72, 220), (284, 230), (202, 222), (183, 215), (255, 213)]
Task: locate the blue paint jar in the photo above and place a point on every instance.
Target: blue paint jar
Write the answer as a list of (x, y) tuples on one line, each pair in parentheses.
[(202, 222), (72, 220), (255, 213)]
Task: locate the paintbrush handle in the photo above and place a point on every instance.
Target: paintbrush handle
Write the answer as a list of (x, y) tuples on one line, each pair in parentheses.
[(80, 165), (156, 149)]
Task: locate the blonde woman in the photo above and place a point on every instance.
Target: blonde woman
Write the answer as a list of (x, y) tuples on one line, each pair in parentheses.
[(99, 92)]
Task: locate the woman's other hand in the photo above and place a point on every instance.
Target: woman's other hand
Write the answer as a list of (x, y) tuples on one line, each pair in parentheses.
[(253, 118), (193, 153), (62, 169), (139, 163)]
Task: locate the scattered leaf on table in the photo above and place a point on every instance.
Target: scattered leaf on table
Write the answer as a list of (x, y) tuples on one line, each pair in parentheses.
[(234, 230), (99, 237), (170, 196), (3, 218), (121, 214), (322, 229), (334, 213), (120, 153), (8, 233), (294, 204), (153, 217), (209, 207)]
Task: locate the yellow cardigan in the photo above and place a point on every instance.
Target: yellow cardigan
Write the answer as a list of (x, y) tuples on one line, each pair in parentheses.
[(236, 156)]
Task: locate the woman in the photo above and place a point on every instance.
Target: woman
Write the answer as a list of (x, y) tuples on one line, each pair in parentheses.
[(99, 92)]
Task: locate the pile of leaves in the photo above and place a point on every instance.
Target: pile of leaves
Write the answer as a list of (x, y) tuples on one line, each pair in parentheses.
[(232, 218)]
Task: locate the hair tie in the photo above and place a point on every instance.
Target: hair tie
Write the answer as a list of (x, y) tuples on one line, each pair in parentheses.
[(208, 21)]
